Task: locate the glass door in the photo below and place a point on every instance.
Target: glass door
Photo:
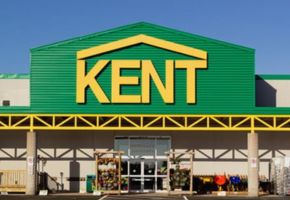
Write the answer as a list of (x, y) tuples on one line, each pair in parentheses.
[(144, 162), (149, 179), (142, 175), (135, 177)]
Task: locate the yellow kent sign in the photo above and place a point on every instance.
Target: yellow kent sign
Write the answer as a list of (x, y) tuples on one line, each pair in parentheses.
[(148, 72)]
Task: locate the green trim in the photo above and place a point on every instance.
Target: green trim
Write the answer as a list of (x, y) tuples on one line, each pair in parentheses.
[(14, 76), (253, 111), (273, 77), (142, 24), (271, 110), (15, 109)]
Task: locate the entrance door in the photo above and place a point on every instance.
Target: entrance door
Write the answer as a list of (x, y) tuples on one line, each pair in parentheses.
[(142, 175), (145, 162)]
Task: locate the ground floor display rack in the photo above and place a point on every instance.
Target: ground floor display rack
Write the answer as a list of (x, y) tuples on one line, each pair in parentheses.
[(108, 172), (180, 172)]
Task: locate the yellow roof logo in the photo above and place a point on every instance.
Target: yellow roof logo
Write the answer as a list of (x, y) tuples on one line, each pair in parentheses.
[(148, 72), (141, 39)]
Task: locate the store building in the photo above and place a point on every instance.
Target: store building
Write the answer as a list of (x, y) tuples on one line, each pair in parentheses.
[(143, 89)]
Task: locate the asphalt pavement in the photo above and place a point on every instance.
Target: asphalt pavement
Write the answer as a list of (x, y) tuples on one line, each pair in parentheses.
[(136, 197)]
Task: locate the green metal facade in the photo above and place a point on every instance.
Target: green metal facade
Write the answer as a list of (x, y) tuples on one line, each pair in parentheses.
[(225, 87)]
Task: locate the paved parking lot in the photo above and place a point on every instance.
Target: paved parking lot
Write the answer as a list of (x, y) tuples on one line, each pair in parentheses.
[(133, 197)]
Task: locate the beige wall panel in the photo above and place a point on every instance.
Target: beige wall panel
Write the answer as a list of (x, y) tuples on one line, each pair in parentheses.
[(17, 91)]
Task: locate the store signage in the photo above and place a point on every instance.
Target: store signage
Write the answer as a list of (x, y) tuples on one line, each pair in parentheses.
[(148, 72)]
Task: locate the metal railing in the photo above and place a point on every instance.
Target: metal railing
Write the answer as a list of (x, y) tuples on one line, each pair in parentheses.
[(144, 122)]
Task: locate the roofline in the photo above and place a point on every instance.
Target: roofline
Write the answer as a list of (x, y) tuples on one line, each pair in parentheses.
[(83, 37), (273, 77), (204, 38), (140, 23)]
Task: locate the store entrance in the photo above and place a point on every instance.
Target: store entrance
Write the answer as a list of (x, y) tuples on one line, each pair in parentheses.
[(144, 163), (142, 175)]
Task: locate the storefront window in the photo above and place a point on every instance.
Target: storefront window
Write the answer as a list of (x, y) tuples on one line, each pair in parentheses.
[(162, 146), (142, 147), (122, 144), (161, 167)]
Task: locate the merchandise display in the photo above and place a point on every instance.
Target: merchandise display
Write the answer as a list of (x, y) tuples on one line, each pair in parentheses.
[(280, 175), (179, 178), (108, 174), (108, 171)]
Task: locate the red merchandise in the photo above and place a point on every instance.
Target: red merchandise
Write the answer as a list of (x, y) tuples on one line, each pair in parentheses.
[(220, 180)]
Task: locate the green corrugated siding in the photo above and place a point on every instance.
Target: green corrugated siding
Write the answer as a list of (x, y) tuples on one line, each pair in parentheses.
[(15, 109), (226, 87)]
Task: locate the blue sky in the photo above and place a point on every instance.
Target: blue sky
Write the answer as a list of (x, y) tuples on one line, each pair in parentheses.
[(260, 24)]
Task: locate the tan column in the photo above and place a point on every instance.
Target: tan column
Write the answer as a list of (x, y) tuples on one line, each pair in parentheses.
[(31, 163), (253, 165)]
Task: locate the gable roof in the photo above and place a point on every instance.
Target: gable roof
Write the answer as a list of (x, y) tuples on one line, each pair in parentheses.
[(146, 24)]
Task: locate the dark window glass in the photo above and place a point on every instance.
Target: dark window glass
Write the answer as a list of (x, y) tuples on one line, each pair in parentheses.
[(124, 167), (149, 183), (149, 167), (6, 103), (135, 183), (135, 168), (161, 183)]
